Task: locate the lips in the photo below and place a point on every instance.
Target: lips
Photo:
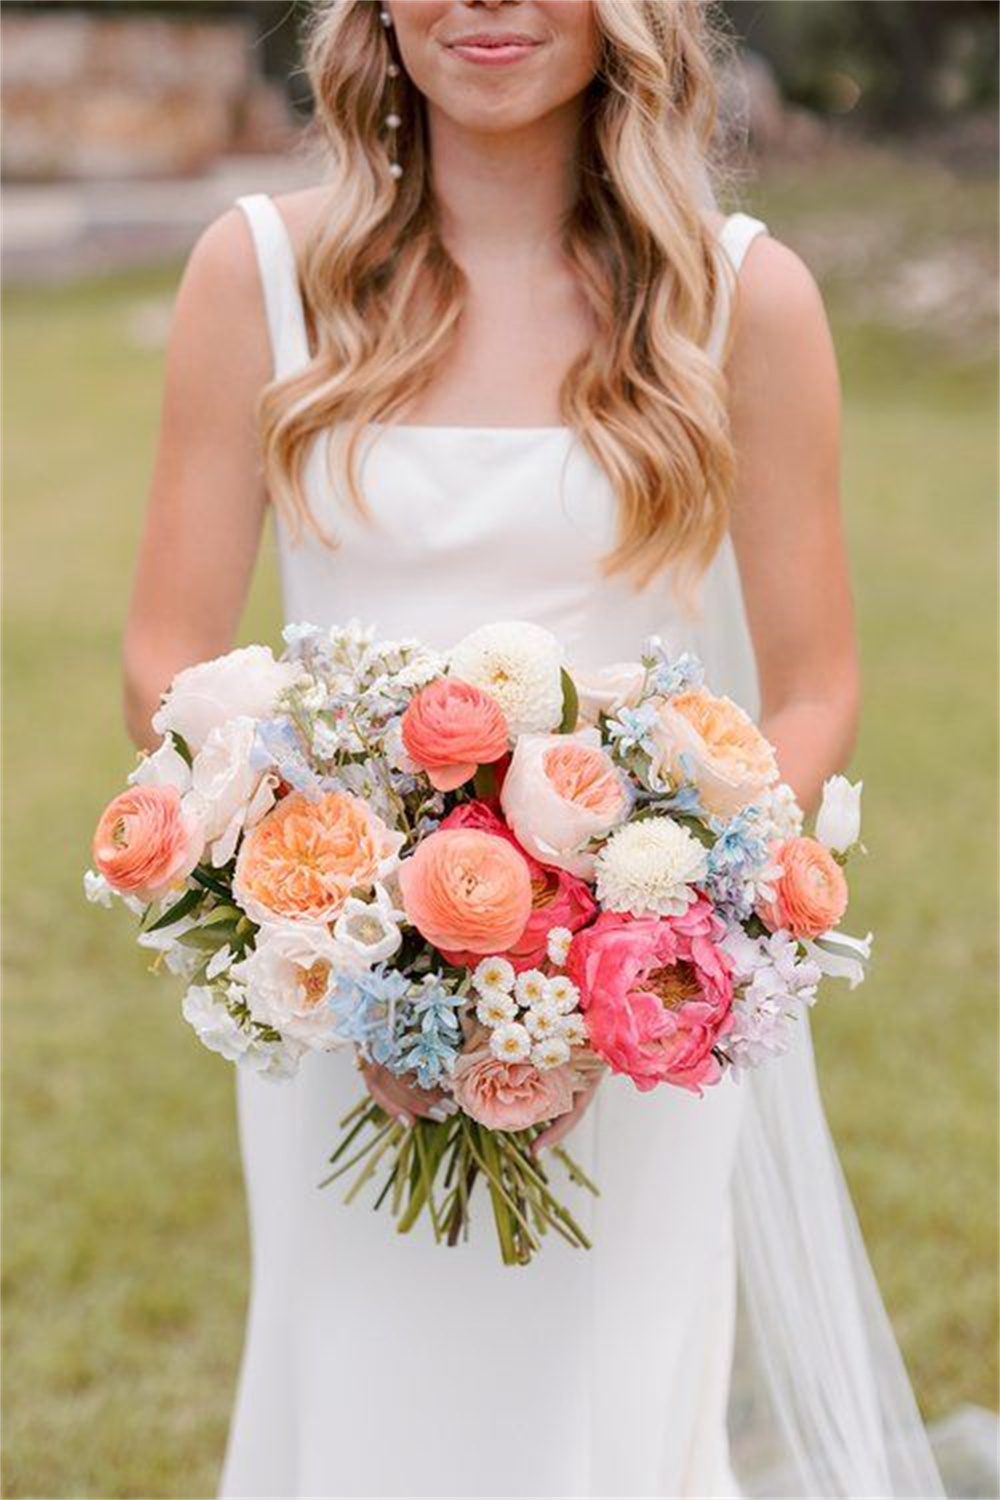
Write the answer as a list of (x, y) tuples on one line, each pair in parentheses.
[(493, 48)]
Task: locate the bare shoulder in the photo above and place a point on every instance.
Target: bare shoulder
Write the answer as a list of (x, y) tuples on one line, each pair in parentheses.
[(300, 211), (779, 306)]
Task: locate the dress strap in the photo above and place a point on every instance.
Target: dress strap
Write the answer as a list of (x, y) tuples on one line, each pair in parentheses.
[(734, 240), (280, 283)]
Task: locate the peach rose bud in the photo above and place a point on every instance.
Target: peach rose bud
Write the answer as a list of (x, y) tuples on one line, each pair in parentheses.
[(146, 842), (450, 729), (464, 889), (810, 896)]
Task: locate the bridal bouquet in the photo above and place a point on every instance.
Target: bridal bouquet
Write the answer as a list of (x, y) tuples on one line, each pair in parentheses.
[(494, 878)]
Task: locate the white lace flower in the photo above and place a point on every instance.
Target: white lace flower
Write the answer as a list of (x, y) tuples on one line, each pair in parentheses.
[(550, 1052), (542, 1019), (495, 1007), (574, 1028), (649, 867), (780, 813), (530, 986), (557, 944), (520, 664), (511, 1042), (493, 974), (562, 992)]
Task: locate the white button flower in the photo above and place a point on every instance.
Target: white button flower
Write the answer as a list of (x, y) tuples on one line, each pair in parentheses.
[(511, 1042), (649, 868)]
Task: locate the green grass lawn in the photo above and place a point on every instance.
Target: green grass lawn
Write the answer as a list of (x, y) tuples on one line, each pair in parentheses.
[(124, 1238)]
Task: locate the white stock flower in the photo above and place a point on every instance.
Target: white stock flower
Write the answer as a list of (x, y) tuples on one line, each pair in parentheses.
[(838, 822), (96, 888), (550, 1052), (511, 1042), (649, 867), (288, 977), (164, 766), (370, 929), (205, 1011), (227, 794), (246, 681), (520, 664), (779, 812)]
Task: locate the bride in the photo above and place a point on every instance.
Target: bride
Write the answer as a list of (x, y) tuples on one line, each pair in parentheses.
[(509, 361)]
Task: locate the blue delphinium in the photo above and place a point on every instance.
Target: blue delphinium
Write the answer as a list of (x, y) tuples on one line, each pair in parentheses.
[(277, 744), (366, 1009), (734, 860), (433, 1044), (630, 729), (671, 674)]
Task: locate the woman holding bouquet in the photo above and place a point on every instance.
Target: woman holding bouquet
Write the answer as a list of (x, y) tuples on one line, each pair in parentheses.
[(555, 385)]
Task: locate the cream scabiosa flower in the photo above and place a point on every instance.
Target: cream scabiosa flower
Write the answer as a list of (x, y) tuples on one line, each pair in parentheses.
[(648, 868), (520, 665)]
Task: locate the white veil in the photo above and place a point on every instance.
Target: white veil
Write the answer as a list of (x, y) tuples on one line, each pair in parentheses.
[(822, 1404)]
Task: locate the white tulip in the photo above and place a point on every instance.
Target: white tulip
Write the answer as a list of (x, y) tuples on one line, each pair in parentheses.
[(838, 822)]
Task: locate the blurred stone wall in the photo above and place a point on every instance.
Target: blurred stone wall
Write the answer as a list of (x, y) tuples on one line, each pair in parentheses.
[(90, 95)]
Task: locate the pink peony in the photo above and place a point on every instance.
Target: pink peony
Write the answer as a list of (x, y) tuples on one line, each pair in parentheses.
[(464, 889), (657, 993), (146, 842), (558, 899), (810, 896), (450, 728), (510, 1096)]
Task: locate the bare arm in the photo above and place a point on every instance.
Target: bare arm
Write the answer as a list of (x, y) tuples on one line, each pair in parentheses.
[(207, 499), (786, 525)]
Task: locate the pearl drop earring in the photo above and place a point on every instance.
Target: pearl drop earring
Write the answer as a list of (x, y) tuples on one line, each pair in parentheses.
[(393, 119)]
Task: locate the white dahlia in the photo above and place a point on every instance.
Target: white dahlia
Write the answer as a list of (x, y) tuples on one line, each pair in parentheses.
[(520, 664), (648, 868)]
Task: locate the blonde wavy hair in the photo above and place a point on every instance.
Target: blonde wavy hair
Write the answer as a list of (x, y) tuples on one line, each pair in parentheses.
[(383, 296)]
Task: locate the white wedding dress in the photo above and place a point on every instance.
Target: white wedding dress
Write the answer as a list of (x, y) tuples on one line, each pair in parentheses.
[(382, 1364)]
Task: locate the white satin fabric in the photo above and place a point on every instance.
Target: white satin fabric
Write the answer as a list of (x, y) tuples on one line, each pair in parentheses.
[(377, 1364)]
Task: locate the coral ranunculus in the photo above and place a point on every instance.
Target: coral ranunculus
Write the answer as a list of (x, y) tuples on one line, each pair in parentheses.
[(450, 728), (558, 899), (304, 858), (810, 896), (465, 889), (657, 993), (146, 842)]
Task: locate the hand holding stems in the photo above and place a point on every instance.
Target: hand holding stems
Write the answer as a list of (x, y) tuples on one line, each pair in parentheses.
[(402, 1100), (563, 1124)]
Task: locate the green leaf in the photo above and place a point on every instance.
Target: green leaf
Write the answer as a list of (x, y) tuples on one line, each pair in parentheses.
[(181, 746), (485, 783), (571, 703), (179, 909)]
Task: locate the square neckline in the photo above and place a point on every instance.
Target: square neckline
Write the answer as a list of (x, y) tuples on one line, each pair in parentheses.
[(736, 220)]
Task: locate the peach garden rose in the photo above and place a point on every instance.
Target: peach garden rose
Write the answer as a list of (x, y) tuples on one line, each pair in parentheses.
[(560, 791), (731, 761), (510, 1095), (306, 856)]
